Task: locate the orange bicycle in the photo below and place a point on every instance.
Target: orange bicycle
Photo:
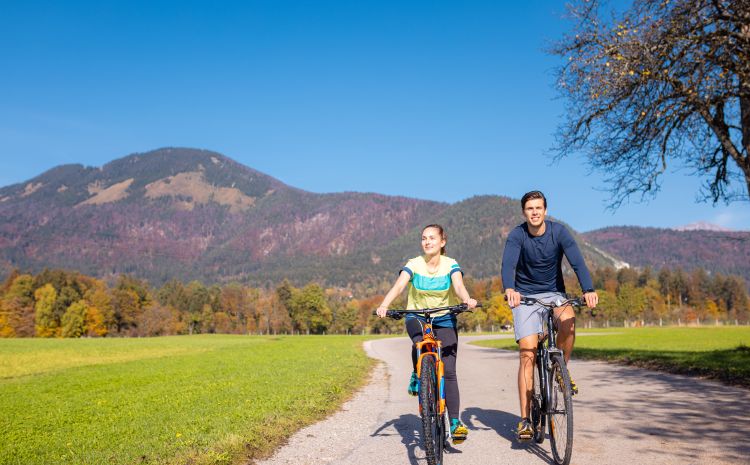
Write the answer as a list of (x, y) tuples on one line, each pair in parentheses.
[(431, 387)]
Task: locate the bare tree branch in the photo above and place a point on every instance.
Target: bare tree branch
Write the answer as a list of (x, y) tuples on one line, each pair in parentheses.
[(666, 83)]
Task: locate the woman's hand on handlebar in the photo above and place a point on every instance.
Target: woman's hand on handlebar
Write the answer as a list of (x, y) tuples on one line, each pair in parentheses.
[(381, 311), (471, 303)]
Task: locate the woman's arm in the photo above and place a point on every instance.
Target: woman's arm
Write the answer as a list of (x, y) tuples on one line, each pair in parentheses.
[(458, 285), (396, 290)]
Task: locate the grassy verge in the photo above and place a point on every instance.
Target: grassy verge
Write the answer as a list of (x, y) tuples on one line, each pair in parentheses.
[(199, 399), (720, 353)]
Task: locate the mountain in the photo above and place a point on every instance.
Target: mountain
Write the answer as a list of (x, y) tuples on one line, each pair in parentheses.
[(196, 214), (726, 252), (702, 226)]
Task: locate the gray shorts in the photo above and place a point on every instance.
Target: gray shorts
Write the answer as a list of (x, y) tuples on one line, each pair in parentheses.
[(527, 319)]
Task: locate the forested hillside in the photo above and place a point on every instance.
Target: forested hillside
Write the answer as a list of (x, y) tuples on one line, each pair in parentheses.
[(197, 215), (724, 252)]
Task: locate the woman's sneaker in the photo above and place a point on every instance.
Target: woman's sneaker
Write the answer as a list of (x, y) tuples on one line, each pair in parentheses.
[(573, 387), (525, 431), (459, 431), (413, 388)]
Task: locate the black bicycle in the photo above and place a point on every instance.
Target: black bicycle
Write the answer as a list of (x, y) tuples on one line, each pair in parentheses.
[(432, 409), (552, 399)]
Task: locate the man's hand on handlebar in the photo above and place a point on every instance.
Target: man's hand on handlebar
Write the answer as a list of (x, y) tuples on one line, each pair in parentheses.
[(591, 298), (513, 298)]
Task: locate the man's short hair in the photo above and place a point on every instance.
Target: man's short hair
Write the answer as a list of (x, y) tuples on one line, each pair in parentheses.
[(531, 196)]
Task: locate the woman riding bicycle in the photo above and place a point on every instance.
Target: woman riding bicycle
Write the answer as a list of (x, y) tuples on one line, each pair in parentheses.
[(434, 280)]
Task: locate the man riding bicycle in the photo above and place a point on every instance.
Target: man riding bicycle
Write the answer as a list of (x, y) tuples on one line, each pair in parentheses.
[(532, 266)]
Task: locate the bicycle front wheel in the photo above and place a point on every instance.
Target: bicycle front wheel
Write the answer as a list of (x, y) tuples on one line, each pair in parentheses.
[(432, 420), (560, 412)]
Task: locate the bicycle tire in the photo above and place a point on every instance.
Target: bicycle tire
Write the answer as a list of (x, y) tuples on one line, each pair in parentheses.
[(560, 412), (432, 433), (537, 405)]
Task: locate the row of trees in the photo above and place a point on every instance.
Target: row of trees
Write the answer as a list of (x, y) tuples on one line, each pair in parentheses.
[(57, 303), (670, 296)]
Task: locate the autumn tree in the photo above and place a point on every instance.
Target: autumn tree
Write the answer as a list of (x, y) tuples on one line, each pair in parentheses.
[(47, 323), (73, 323), (661, 83), (285, 292), (274, 314), (236, 303), (17, 307), (100, 315), (345, 317), (158, 320), (126, 308), (310, 310)]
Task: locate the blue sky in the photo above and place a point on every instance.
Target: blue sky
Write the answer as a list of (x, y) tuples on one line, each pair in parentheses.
[(436, 100)]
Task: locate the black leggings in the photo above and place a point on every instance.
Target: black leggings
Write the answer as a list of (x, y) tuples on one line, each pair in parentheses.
[(449, 340)]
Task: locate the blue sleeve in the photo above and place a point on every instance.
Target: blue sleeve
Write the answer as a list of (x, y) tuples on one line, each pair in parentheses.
[(456, 268), (406, 269), (575, 258), (511, 253)]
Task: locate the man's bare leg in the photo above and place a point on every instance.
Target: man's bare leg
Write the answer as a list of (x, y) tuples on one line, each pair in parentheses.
[(527, 353), (566, 330)]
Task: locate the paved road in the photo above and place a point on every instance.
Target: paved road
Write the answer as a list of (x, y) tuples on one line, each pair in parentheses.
[(622, 416)]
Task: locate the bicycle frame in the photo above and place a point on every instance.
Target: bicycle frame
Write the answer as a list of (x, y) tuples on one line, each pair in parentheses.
[(545, 348), (432, 347)]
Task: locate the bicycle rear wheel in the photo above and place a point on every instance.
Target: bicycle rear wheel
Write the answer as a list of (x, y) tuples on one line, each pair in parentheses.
[(433, 425), (560, 412), (537, 404)]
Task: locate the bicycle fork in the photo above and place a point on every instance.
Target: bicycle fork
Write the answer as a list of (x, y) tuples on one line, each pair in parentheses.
[(436, 352)]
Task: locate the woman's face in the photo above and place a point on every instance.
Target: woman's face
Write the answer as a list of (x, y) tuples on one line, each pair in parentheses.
[(432, 241)]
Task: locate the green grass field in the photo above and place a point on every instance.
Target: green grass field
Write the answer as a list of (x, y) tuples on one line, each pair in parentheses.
[(716, 352), (190, 399)]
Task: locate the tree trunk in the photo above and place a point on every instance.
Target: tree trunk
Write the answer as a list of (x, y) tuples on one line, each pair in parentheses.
[(745, 116)]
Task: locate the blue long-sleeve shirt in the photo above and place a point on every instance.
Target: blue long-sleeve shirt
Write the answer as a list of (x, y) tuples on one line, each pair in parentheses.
[(533, 264)]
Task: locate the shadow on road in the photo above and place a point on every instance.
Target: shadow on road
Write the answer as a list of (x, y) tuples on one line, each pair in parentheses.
[(504, 424), (409, 427), (673, 408)]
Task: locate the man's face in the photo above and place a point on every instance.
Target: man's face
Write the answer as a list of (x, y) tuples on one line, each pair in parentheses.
[(534, 212)]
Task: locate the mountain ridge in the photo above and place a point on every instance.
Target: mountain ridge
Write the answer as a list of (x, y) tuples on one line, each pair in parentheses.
[(726, 252), (196, 214)]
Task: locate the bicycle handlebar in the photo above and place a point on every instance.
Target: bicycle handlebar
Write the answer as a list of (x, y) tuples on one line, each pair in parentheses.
[(575, 301), (454, 309), (579, 302)]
